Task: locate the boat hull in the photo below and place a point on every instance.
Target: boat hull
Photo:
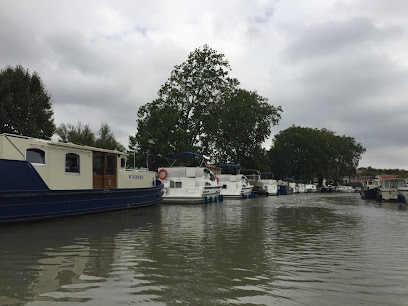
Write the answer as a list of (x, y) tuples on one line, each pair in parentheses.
[(33, 205), (369, 193), (24, 196)]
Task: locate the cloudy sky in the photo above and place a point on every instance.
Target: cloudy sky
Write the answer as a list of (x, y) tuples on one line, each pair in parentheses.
[(342, 65)]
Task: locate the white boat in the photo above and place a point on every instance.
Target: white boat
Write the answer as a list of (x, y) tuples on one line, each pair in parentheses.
[(234, 185), (46, 179), (254, 178), (388, 189), (300, 186), (189, 185), (344, 189), (310, 188), (269, 183)]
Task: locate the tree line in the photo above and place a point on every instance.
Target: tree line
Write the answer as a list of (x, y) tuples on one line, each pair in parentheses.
[(200, 108)]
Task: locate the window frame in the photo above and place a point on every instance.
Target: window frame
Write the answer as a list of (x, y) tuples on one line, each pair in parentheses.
[(78, 162), (34, 163)]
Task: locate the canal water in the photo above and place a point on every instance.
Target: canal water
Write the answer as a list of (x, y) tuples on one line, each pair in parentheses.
[(305, 249)]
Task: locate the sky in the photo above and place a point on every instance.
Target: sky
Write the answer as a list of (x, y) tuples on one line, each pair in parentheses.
[(340, 65)]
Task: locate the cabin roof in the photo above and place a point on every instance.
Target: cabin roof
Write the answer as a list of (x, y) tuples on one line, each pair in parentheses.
[(65, 144)]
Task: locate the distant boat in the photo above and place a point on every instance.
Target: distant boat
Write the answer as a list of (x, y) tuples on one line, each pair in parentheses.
[(189, 185), (254, 178), (269, 183), (310, 188), (46, 179), (327, 189), (234, 185), (369, 188), (388, 188), (286, 186), (344, 189)]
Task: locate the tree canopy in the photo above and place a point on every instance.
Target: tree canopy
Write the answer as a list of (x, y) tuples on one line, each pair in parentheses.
[(82, 134), (307, 153), (25, 105), (201, 109)]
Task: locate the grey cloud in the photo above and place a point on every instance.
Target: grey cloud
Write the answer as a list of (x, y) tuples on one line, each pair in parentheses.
[(326, 39)]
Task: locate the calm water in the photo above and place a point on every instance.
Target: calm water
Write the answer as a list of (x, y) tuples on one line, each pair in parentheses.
[(306, 249)]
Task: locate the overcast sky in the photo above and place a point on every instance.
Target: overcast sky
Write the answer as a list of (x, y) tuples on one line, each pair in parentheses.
[(341, 65)]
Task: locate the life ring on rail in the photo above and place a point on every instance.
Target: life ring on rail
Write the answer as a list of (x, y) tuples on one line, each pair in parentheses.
[(161, 171), (217, 179)]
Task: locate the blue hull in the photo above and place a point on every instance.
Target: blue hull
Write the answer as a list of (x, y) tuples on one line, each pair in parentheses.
[(25, 196), (369, 194)]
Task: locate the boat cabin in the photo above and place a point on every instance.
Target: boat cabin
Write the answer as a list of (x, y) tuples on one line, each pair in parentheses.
[(72, 166)]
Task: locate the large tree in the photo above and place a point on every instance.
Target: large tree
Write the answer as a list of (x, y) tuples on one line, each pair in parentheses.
[(188, 114), (25, 105), (243, 122), (306, 153)]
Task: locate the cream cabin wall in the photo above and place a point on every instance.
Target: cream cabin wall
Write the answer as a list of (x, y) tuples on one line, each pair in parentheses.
[(135, 179), (53, 172)]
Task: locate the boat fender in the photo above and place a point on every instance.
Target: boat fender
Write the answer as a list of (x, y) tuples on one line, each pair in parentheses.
[(162, 174)]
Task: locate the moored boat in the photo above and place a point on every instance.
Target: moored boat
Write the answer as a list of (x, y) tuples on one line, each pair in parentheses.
[(234, 185), (46, 179), (269, 183), (189, 185), (369, 188), (310, 188), (389, 188)]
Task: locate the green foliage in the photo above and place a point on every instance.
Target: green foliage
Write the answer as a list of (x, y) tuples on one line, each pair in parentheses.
[(369, 171), (107, 140), (243, 122), (82, 134), (25, 105), (306, 153), (199, 108)]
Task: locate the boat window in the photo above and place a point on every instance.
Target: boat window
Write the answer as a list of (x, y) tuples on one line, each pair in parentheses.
[(179, 184), (224, 186), (71, 163), (110, 165), (122, 162), (207, 184), (35, 156), (98, 164), (387, 184), (171, 184)]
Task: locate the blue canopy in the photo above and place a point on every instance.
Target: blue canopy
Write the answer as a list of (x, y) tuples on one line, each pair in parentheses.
[(229, 165), (184, 154)]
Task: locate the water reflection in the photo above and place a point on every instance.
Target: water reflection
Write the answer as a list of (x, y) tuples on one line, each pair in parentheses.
[(293, 250)]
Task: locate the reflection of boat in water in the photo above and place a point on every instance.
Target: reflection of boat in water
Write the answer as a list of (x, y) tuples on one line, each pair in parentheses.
[(234, 185), (189, 184), (69, 252), (43, 179)]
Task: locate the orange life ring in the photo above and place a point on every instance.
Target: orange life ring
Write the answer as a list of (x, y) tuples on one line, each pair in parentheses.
[(217, 179), (161, 172)]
